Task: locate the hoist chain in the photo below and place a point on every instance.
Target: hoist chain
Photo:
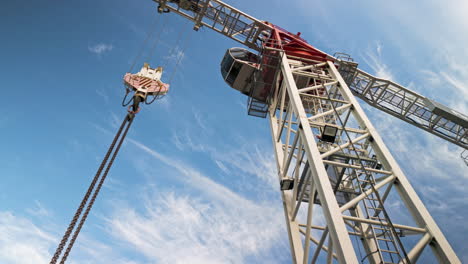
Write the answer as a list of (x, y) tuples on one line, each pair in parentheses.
[(126, 122)]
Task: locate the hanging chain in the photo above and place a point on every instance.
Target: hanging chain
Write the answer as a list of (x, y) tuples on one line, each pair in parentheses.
[(127, 122)]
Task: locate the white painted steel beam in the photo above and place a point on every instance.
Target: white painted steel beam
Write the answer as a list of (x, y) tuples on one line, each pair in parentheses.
[(319, 245), (337, 229), (344, 165), (417, 250), (317, 116), (375, 222), (345, 145), (363, 195)]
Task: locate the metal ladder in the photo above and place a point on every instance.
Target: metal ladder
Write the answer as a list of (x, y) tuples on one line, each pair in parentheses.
[(381, 232)]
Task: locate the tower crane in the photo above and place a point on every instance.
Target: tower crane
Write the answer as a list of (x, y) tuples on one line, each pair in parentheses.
[(328, 154)]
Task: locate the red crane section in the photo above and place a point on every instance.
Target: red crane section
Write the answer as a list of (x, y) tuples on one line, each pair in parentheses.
[(293, 45)]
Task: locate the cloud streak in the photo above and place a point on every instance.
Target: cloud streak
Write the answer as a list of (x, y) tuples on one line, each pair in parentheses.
[(212, 225), (21, 241), (373, 58), (178, 228), (243, 158), (100, 48)]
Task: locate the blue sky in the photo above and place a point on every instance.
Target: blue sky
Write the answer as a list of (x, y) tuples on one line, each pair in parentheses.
[(196, 181)]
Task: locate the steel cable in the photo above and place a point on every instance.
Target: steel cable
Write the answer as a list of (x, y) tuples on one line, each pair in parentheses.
[(179, 58), (155, 44), (148, 36)]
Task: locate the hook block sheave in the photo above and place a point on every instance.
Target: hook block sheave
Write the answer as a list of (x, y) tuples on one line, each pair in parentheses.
[(146, 82)]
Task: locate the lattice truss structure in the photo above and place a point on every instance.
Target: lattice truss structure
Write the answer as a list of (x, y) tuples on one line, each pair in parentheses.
[(406, 105), (350, 201), (221, 18)]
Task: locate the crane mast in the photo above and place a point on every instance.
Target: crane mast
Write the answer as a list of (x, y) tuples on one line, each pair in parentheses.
[(335, 172)]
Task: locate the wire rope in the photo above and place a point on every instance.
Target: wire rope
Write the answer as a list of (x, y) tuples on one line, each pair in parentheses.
[(148, 36), (156, 41), (179, 57), (174, 48)]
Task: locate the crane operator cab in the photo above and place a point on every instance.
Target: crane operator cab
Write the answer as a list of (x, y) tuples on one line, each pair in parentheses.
[(237, 68)]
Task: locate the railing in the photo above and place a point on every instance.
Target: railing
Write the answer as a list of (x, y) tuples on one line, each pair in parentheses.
[(264, 79), (406, 105)]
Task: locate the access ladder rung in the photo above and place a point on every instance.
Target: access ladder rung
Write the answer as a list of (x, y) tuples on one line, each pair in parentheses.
[(374, 208), (390, 251), (384, 239), (366, 181), (380, 228)]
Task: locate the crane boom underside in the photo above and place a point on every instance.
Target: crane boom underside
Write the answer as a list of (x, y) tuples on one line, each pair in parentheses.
[(407, 105), (221, 18)]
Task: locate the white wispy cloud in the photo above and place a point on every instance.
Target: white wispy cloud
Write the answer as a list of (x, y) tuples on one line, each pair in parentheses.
[(22, 241), (38, 210), (25, 241), (176, 54), (100, 48), (115, 121), (215, 226), (194, 177), (102, 93), (199, 119), (373, 58), (244, 158), (221, 166), (177, 228), (163, 103)]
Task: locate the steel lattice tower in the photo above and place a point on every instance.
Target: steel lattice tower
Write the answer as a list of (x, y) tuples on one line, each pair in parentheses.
[(350, 178)]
